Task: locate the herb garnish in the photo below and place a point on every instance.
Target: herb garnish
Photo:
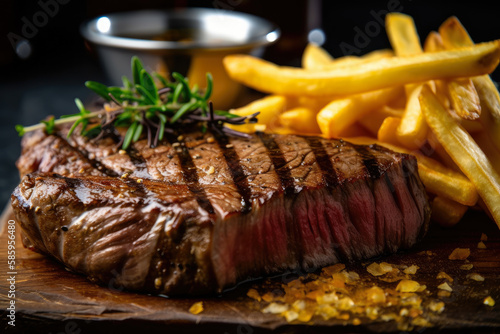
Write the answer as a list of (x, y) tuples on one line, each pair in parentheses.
[(142, 107)]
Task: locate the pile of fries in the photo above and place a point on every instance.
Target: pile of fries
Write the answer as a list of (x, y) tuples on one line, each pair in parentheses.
[(435, 101)]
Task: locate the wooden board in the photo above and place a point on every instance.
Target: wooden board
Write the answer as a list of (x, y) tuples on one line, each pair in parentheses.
[(49, 298)]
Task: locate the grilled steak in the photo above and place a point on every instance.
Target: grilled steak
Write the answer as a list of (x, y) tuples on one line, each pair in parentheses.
[(202, 212)]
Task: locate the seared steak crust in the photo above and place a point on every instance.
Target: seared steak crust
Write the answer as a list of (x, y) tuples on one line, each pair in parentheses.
[(202, 212)]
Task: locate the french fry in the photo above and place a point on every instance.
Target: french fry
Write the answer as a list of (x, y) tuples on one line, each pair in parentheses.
[(464, 98), (464, 151), (490, 106), (339, 114), (300, 119), (446, 212), (449, 185), (412, 130), (387, 132), (483, 140), (434, 42), (437, 178), (462, 93), (438, 152), (472, 126), (374, 119), (315, 57), (367, 76), (269, 107), (402, 34), (455, 35)]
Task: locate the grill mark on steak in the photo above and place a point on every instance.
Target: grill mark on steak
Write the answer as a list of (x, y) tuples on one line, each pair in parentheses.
[(236, 170), (369, 161), (81, 150), (324, 161), (51, 153), (279, 162), (190, 175)]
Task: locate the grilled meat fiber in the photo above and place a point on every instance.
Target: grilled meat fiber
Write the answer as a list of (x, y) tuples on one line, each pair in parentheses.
[(202, 212)]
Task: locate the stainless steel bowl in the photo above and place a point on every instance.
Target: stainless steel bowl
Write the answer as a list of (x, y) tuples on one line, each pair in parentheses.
[(191, 41)]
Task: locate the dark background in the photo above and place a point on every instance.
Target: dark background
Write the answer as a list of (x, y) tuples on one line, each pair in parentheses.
[(47, 82)]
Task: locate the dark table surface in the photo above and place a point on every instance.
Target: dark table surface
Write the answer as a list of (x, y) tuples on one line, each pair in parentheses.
[(47, 82)]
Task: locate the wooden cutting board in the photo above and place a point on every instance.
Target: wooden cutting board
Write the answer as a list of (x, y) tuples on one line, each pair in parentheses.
[(50, 299)]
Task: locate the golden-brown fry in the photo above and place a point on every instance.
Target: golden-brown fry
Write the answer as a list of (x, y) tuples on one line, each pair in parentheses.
[(387, 132), (446, 212), (451, 185), (490, 106), (300, 119), (373, 120), (463, 95), (472, 126), (433, 42), (455, 35), (402, 34), (438, 179), (436, 151), (339, 114), (483, 140), (269, 107), (368, 76), (463, 150), (461, 91), (464, 98), (315, 57), (412, 130)]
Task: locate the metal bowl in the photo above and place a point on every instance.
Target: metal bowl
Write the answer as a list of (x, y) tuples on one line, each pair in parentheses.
[(191, 41)]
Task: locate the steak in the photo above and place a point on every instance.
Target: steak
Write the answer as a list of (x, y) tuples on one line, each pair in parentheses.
[(202, 212)]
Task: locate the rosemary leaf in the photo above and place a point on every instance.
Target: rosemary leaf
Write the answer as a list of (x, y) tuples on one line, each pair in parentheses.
[(136, 70), (149, 98), (185, 85), (20, 130), (208, 90), (84, 123), (162, 80), (49, 125), (163, 121), (137, 132), (183, 110), (129, 135), (148, 84), (99, 89), (73, 127), (177, 93), (127, 85)]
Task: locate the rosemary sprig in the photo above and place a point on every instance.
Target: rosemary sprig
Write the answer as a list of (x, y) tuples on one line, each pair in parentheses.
[(146, 106)]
